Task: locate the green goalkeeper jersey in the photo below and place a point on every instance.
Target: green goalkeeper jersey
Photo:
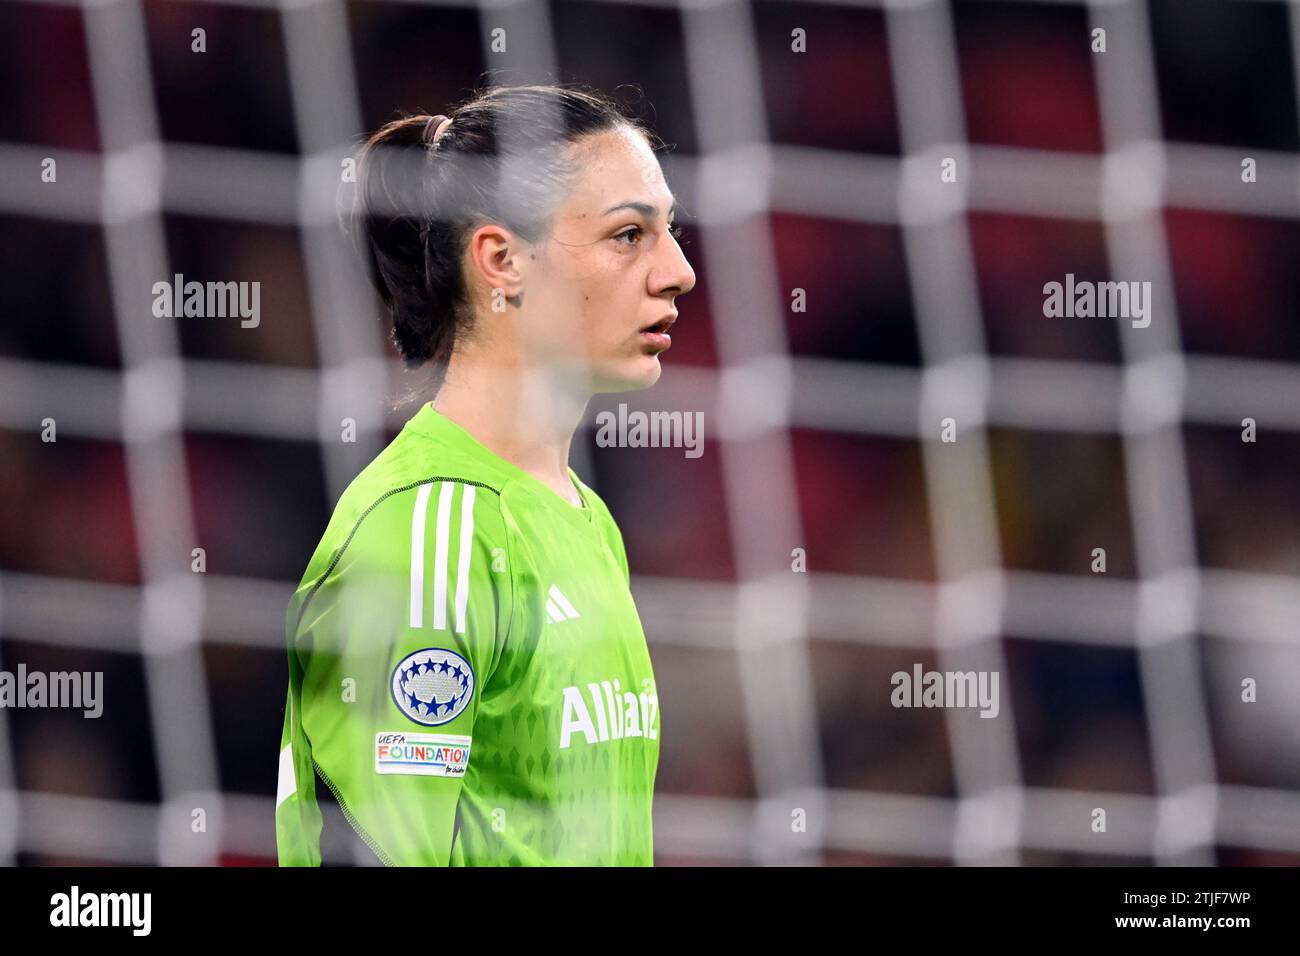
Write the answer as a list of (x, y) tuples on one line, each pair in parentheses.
[(467, 670)]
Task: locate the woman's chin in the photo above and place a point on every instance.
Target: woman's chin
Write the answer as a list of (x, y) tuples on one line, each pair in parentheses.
[(641, 372)]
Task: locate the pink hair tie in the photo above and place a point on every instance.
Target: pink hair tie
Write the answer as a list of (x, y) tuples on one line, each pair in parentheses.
[(441, 123)]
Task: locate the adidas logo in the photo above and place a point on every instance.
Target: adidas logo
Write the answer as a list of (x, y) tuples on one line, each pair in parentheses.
[(558, 607)]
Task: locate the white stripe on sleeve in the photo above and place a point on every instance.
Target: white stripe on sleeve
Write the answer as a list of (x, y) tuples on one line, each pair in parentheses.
[(464, 554), (440, 557), (417, 555), (287, 785)]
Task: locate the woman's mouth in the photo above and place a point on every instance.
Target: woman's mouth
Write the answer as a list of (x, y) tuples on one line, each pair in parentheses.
[(656, 335)]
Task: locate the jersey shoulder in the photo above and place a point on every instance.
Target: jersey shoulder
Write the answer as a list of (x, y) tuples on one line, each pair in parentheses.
[(411, 460), (415, 503)]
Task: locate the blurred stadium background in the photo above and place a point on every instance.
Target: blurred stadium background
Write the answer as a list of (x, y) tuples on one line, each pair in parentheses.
[(815, 170)]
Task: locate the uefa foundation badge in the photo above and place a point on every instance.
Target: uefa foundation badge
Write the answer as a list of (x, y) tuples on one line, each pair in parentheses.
[(422, 755), (433, 686)]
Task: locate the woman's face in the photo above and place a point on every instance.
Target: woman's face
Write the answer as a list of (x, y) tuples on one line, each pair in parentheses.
[(610, 269)]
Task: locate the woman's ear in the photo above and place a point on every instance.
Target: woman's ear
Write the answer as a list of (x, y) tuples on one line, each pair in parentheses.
[(499, 260)]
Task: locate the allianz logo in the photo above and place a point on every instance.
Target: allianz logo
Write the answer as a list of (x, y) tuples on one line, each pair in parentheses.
[(618, 713)]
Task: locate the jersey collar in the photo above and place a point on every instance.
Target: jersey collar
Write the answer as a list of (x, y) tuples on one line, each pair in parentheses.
[(431, 422)]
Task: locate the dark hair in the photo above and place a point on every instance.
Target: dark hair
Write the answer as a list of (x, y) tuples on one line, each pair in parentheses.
[(418, 199)]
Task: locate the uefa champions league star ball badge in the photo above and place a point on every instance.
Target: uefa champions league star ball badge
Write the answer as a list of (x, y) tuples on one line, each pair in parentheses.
[(433, 686)]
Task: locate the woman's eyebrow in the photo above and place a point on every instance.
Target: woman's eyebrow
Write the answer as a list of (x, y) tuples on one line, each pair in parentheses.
[(645, 209)]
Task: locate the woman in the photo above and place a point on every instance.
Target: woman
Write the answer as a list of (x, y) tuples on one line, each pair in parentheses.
[(468, 675)]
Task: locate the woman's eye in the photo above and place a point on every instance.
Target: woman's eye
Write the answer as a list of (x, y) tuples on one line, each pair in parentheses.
[(676, 230)]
